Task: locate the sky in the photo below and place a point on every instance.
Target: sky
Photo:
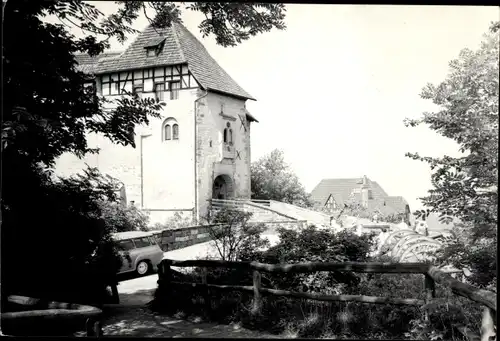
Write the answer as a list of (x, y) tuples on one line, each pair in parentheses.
[(334, 88)]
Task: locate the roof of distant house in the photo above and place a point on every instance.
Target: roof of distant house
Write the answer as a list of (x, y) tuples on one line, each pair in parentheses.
[(178, 46), (342, 191)]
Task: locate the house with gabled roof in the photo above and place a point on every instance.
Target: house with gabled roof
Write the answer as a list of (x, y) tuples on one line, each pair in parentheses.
[(198, 150), (332, 195)]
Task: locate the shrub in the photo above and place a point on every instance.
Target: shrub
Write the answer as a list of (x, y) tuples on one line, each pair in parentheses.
[(306, 318), (234, 237), (178, 220), (120, 218), (477, 255), (277, 313), (313, 245), (65, 248)]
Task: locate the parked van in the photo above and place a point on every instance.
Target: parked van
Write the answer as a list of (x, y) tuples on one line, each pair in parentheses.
[(139, 250)]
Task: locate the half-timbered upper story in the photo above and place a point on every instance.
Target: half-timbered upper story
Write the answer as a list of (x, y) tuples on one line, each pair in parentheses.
[(163, 62)]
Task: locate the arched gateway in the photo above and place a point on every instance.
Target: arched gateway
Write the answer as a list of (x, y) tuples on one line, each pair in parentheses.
[(223, 187)]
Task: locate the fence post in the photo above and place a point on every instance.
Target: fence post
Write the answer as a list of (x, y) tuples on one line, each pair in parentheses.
[(164, 277), (257, 299), (488, 324), (430, 292), (114, 293), (206, 291)]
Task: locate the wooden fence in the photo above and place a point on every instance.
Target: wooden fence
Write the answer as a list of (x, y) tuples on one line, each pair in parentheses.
[(34, 312), (432, 275)]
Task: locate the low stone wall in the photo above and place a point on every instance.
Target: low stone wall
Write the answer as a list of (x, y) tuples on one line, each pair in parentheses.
[(183, 237), (272, 226)]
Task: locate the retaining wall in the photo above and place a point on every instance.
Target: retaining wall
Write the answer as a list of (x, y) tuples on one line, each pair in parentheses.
[(183, 237), (186, 236)]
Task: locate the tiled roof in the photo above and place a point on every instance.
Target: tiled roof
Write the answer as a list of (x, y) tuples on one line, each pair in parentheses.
[(204, 68), (342, 189), (134, 57), (398, 203), (180, 46), (88, 64)]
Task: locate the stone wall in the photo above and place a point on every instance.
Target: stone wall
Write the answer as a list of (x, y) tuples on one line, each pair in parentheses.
[(183, 237), (214, 112), (272, 226), (168, 166)]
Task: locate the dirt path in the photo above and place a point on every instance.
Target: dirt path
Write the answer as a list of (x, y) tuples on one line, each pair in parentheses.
[(132, 317)]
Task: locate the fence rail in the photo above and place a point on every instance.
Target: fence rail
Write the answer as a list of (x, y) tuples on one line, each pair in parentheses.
[(40, 312), (432, 275)]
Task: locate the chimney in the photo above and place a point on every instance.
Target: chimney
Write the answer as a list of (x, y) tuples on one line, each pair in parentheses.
[(364, 192)]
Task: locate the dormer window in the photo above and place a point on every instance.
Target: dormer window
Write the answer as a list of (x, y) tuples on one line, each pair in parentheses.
[(154, 46)]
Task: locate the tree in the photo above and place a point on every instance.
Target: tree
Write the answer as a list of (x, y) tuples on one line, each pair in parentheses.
[(234, 237), (466, 187), (48, 111), (272, 179), (67, 253)]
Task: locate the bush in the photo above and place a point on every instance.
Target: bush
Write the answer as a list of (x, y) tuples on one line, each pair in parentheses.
[(278, 314), (234, 237), (120, 218), (306, 318), (479, 256), (448, 311), (64, 246), (313, 245), (178, 220)]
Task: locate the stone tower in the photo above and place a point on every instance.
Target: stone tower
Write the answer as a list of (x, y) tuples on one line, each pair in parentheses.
[(198, 150)]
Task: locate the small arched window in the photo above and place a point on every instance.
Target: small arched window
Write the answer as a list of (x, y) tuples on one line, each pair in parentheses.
[(225, 135), (230, 138), (175, 131), (170, 130), (167, 132)]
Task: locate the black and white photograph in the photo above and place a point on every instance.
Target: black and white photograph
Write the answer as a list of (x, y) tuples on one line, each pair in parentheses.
[(249, 170)]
